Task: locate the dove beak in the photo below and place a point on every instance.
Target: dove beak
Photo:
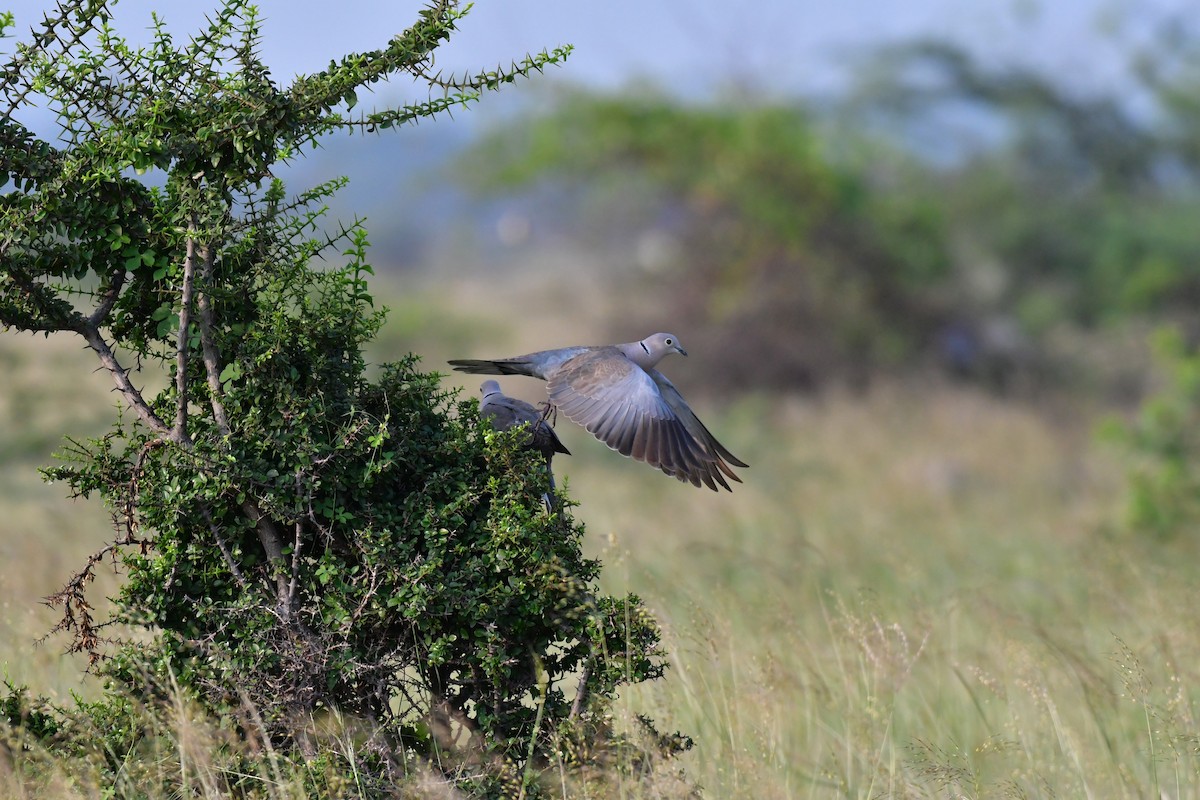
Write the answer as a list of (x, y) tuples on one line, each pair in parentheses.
[(680, 350)]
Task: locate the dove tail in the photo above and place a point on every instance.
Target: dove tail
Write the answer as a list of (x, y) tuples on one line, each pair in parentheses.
[(482, 367)]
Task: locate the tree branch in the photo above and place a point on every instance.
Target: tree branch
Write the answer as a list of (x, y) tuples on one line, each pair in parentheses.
[(179, 432), (108, 299), (272, 544), (296, 547), (131, 393), (212, 358), (224, 547), (77, 612), (581, 693), (132, 493)]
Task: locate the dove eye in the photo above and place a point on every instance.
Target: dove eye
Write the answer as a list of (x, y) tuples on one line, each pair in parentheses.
[(668, 341)]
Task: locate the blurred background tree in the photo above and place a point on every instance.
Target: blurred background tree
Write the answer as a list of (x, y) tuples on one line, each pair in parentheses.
[(1086, 201), (757, 240), (833, 241)]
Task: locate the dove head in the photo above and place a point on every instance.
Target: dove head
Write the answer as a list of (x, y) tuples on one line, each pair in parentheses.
[(652, 349), (489, 388)]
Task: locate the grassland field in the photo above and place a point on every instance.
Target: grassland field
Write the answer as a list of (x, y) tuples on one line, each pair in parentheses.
[(919, 591)]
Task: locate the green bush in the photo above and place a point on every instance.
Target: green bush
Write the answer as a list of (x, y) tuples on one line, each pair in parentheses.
[(1164, 442), (297, 541)]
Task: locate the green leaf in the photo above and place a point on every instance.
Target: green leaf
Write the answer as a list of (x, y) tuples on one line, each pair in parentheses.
[(232, 371), (167, 325)]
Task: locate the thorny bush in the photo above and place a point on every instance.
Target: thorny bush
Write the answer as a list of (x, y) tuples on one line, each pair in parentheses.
[(296, 538)]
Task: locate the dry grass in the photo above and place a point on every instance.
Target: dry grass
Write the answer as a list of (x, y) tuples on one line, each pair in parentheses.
[(916, 593), (913, 597), (49, 391)]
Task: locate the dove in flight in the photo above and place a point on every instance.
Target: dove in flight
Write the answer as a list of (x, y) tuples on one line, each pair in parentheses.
[(615, 392)]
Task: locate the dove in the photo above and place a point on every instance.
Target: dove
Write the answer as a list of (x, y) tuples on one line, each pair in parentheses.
[(506, 412), (615, 392)]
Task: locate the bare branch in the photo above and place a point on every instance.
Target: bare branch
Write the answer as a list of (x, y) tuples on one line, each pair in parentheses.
[(212, 358), (120, 374), (77, 612), (108, 299), (179, 432)]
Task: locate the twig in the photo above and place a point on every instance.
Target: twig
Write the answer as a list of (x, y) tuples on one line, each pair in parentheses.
[(372, 589), (224, 547)]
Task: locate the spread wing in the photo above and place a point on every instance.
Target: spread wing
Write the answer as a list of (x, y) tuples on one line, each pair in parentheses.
[(625, 407)]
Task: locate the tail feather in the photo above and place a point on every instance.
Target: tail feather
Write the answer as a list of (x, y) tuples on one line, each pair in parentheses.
[(484, 367)]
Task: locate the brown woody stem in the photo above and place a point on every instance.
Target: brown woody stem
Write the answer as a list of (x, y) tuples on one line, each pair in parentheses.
[(179, 432)]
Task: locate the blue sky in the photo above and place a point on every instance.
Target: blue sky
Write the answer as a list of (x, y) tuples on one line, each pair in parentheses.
[(779, 45)]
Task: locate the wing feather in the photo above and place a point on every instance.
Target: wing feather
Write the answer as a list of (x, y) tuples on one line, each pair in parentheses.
[(638, 413), (689, 419)]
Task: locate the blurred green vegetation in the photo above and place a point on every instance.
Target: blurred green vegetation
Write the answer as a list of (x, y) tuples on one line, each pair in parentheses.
[(1164, 445), (814, 269), (1088, 199), (834, 242)]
